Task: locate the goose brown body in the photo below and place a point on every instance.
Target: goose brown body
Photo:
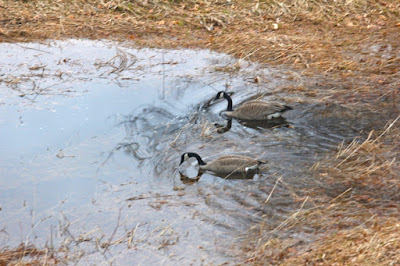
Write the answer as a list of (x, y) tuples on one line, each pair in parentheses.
[(253, 110), (231, 164), (257, 110), (225, 164)]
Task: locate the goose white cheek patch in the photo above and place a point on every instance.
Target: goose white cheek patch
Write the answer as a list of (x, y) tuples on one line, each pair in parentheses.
[(186, 157)]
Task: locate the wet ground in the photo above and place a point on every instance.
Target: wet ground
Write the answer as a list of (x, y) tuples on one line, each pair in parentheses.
[(91, 135)]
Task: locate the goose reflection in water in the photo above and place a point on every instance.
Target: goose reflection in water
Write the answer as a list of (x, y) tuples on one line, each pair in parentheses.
[(255, 124), (232, 176)]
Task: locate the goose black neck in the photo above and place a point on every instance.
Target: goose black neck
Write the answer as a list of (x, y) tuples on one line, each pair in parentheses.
[(228, 98), (195, 155)]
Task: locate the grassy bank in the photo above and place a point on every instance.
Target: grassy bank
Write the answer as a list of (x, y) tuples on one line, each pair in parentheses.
[(351, 218), (352, 44), (350, 51)]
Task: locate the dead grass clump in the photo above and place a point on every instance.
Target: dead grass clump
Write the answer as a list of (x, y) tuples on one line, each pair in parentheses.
[(371, 165), (341, 230), (374, 243), (352, 218), (26, 255), (347, 12)]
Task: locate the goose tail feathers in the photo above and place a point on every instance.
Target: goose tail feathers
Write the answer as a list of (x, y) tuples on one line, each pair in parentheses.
[(261, 162), (254, 167), (287, 108)]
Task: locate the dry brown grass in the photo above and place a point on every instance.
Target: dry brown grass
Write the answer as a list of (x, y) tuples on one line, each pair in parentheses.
[(354, 218), (372, 166), (26, 255), (377, 242), (325, 35), (352, 44)]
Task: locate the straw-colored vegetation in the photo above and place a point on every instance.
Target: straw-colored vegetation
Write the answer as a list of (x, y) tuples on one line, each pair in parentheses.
[(27, 255), (328, 35), (354, 218), (350, 46)]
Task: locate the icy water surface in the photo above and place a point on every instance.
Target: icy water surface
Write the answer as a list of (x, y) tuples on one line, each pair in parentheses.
[(91, 135)]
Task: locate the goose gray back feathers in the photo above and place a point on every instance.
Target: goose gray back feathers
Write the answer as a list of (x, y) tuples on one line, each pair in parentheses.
[(226, 164), (253, 110)]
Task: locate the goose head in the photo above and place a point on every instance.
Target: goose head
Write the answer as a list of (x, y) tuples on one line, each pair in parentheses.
[(184, 157), (188, 155), (221, 95)]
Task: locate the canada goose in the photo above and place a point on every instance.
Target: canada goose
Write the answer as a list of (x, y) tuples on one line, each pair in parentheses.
[(253, 110), (225, 164)]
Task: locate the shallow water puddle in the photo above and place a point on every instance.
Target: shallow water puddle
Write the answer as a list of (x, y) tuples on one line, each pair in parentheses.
[(91, 135)]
